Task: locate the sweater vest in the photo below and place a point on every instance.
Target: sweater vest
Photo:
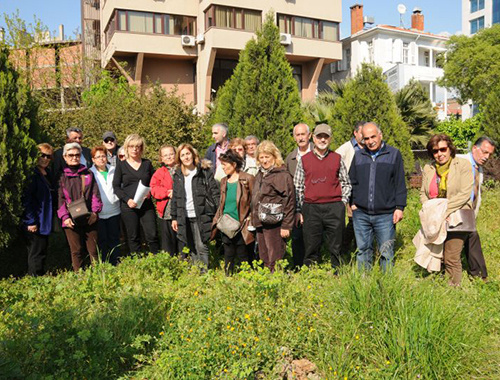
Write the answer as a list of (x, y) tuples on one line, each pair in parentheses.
[(322, 183)]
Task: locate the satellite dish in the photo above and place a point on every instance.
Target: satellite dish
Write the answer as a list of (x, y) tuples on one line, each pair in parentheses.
[(401, 9)]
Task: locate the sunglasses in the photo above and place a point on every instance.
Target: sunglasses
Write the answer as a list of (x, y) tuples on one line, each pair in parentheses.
[(76, 155), (109, 140), (442, 150), (48, 156)]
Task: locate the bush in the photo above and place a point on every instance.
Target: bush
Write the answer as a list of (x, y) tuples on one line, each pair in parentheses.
[(461, 132)]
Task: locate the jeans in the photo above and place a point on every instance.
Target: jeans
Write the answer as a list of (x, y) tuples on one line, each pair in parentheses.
[(198, 250), (109, 238), (366, 228)]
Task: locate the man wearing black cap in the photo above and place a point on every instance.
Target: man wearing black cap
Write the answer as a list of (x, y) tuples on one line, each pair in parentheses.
[(322, 190), (109, 140)]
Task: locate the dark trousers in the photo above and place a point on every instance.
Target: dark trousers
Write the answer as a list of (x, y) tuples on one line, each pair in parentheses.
[(78, 236), (198, 249), (235, 252), (298, 248), (168, 237), (474, 255), (348, 241), (271, 245), (109, 238), (323, 220), (37, 252), (133, 218)]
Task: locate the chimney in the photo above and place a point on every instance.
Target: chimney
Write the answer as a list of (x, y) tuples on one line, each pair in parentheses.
[(417, 19), (356, 18), (61, 32)]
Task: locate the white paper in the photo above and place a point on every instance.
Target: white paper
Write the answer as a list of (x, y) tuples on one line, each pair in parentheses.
[(141, 194)]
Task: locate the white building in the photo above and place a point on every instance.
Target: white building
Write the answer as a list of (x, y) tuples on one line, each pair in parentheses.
[(402, 54), (479, 14)]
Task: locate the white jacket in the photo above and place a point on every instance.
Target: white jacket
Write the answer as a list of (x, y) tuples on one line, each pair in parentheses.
[(110, 202), (347, 151)]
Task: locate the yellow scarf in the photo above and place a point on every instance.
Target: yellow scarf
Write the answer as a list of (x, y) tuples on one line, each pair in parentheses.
[(442, 172)]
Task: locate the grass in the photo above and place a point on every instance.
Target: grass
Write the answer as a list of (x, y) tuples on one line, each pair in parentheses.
[(157, 318)]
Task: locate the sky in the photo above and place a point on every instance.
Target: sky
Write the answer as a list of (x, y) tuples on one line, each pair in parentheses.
[(440, 15)]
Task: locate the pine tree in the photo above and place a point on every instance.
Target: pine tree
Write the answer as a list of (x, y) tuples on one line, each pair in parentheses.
[(19, 128), (262, 97)]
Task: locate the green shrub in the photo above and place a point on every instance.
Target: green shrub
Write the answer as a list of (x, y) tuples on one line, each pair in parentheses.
[(462, 132)]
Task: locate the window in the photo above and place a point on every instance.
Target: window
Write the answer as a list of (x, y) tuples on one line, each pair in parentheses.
[(406, 52), (308, 28), (145, 22), (496, 11), (297, 74), (348, 58), (427, 59), (476, 25), (233, 18), (370, 51), (476, 5)]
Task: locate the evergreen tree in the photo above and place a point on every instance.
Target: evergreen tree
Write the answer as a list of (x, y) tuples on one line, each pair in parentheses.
[(368, 98), (18, 152), (261, 97)]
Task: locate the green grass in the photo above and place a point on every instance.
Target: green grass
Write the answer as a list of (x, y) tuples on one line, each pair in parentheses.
[(157, 318)]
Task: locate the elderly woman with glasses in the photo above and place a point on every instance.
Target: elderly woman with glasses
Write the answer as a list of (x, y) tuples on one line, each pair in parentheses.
[(129, 173), (78, 183), (450, 177)]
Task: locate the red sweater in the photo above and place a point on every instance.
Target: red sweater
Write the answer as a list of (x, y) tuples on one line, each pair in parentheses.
[(161, 184), (322, 183)]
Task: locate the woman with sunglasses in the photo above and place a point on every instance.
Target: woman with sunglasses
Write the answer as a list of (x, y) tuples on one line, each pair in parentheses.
[(38, 211), (450, 177)]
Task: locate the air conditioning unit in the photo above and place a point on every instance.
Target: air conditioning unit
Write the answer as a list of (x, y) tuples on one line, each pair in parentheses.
[(188, 40), (200, 39), (285, 39)]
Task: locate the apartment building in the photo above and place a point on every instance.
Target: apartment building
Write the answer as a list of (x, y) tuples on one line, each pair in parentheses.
[(479, 14), (194, 44)]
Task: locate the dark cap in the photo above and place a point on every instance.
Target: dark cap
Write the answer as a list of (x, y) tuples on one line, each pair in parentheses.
[(107, 135), (323, 128)]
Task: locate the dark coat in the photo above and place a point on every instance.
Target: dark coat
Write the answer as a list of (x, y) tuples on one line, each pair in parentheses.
[(206, 198), (291, 159), (211, 155), (37, 203)]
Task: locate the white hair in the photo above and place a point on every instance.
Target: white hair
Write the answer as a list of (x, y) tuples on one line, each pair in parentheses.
[(308, 129), (69, 146)]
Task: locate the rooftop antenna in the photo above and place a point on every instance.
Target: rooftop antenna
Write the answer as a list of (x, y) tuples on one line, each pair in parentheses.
[(402, 11)]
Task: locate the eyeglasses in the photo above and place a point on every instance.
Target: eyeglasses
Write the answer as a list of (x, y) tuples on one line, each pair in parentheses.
[(47, 156), (100, 157), (442, 150), (109, 140), (135, 146), (76, 155)]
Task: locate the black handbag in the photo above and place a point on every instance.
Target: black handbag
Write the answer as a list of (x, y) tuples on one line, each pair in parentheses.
[(270, 213), (78, 209)]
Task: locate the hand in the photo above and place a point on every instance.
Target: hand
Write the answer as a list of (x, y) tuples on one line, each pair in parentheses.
[(92, 218), (353, 207), (131, 203), (175, 227), (285, 234), (169, 193), (69, 223), (299, 219), (33, 228), (397, 217)]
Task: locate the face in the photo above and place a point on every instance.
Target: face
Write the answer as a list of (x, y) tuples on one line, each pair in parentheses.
[(110, 143), (168, 156), (358, 135), (134, 149), (482, 153), (322, 141), (72, 157), (186, 157), (266, 160), (301, 136), (75, 137), (100, 159), (441, 152), (240, 150), (121, 156), (44, 158), (372, 137), (229, 168), (218, 134), (251, 146)]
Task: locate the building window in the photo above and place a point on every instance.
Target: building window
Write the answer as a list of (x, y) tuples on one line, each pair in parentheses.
[(496, 11), (427, 59), (308, 28), (476, 25), (406, 53), (297, 75), (370, 51), (146, 22), (348, 59), (233, 18), (476, 5)]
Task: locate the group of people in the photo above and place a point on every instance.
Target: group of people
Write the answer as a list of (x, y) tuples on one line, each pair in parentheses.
[(247, 197)]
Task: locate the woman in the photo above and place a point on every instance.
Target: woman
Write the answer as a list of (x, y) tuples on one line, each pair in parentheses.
[(194, 203), (108, 225), (236, 194), (37, 216), (78, 183), (128, 174), (162, 189), (240, 146), (448, 177), (273, 204)]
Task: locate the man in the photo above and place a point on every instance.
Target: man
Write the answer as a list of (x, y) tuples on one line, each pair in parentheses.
[(252, 142), (73, 134), (482, 150), (378, 197), (111, 145), (302, 136), (322, 189), (220, 135), (347, 151)]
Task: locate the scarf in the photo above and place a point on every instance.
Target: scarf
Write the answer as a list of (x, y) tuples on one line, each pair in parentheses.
[(264, 171), (442, 171)]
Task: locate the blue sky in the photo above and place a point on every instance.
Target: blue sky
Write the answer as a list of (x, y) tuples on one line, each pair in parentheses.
[(440, 15)]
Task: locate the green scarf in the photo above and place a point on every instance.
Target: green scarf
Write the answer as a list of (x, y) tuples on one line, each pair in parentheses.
[(442, 172)]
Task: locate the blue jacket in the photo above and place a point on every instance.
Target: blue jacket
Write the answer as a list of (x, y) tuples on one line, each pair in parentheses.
[(378, 183), (211, 155), (37, 203)]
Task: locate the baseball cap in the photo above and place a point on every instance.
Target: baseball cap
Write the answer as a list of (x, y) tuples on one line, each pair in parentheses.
[(323, 128), (107, 135)]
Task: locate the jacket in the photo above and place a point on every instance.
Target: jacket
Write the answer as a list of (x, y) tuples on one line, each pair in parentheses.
[(378, 184), (206, 198), (459, 184), (59, 163), (37, 203), (469, 157), (243, 199), (291, 159), (161, 184), (70, 189), (347, 152), (276, 187), (110, 202)]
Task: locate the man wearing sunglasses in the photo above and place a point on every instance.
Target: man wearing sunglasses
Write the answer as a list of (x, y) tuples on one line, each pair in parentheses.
[(111, 144), (73, 135)]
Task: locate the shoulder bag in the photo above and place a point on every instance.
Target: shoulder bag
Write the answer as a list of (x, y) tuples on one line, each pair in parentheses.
[(78, 209)]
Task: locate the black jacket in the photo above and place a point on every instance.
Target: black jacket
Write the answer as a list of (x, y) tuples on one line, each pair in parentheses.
[(206, 198)]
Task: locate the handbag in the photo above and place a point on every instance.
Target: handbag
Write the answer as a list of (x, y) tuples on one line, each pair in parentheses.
[(270, 213), (228, 226), (78, 209), (468, 221)]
